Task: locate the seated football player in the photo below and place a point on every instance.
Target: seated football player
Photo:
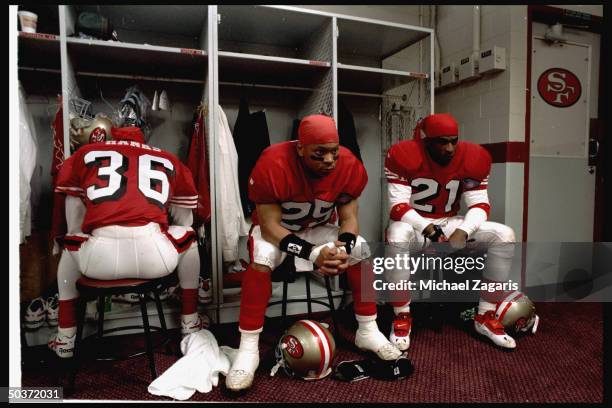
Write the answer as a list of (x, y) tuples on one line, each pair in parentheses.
[(118, 196), (427, 177), (296, 187)]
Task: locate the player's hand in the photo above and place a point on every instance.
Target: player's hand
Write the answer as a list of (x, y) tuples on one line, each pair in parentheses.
[(431, 230), (458, 239), (342, 250), (331, 261)]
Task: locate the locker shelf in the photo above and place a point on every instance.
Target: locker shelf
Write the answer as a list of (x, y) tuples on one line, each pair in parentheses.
[(168, 25), (38, 50), (353, 78), (113, 57), (375, 40), (261, 69)]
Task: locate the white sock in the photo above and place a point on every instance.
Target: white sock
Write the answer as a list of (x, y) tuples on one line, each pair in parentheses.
[(67, 331), (484, 306), (401, 309), (247, 358)]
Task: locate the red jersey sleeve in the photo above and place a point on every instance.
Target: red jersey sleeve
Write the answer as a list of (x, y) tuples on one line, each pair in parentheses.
[(68, 179), (357, 181), (264, 185), (402, 160), (185, 194)]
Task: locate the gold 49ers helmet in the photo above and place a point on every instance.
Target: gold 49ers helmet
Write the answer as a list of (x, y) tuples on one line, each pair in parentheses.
[(516, 312), (84, 131), (306, 350)]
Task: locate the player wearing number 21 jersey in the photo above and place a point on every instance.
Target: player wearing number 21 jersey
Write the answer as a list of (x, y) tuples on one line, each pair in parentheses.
[(296, 187), (118, 196), (427, 178)]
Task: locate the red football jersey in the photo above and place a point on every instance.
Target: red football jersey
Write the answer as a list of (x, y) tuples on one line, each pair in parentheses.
[(436, 189), (280, 177), (126, 183)]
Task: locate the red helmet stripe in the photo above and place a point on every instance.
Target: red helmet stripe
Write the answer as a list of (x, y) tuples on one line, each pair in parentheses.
[(324, 346), (505, 304)]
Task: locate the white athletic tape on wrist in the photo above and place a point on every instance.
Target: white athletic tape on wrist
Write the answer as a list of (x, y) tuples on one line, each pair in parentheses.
[(314, 254)]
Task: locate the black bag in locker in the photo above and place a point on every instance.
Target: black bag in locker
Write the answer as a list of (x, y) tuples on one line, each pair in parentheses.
[(95, 25), (251, 138)]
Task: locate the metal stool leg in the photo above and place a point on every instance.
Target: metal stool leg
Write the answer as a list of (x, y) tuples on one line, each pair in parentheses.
[(145, 323), (284, 303), (162, 318), (332, 307), (308, 298), (101, 301)]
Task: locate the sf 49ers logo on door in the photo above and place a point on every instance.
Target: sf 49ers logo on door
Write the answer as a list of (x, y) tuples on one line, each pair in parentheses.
[(293, 346), (559, 87)]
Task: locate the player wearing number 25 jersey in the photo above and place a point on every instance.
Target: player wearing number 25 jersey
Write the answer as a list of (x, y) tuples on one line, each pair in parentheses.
[(427, 178), (306, 202), (118, 196), (296, 187)]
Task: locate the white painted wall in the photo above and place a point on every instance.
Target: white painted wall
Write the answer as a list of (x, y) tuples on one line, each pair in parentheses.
[(492, 108)]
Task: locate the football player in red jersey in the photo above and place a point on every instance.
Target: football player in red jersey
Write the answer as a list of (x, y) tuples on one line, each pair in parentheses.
[(426, 179), (118, 196), (296, 187)]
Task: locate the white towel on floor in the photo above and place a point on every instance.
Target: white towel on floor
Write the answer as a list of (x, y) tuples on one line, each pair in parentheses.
[(197, 370)]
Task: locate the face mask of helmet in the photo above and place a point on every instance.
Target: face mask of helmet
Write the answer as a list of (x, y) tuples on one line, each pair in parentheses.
[(306, 351), (133, 108)]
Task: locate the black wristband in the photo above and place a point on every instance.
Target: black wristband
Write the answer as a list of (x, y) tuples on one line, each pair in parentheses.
[(437, 234), (349, 239), (294, 245)]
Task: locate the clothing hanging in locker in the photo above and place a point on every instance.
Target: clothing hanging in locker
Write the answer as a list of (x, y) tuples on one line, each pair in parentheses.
[(251, 138), (232, 222), (197, 162)]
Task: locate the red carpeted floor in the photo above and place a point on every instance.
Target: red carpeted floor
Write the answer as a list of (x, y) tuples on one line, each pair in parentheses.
[(562, 363)]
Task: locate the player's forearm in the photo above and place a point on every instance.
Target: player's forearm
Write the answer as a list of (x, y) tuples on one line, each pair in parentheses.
[(273, 232), (473, 220), (75, 214), (348, 218)]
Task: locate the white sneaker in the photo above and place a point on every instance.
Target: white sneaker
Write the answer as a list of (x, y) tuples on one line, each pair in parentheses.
[(242, 372), (35, 314), (62, 343), (400, 331), (204, 291), (52, 306), (487, 325), (373, 340)]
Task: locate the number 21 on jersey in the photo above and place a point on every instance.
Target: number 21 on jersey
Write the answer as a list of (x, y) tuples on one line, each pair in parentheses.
[(429, 190)]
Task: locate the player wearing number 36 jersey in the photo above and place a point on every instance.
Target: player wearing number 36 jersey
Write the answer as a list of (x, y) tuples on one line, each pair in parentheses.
[(126, 182), (296, 187), (118, 197), (427, 178)]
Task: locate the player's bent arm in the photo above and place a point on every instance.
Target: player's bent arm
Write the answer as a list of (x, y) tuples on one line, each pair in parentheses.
[(399, 198), (75, 214), (348, 217), (270, 216), (478, 203), (180, 215)]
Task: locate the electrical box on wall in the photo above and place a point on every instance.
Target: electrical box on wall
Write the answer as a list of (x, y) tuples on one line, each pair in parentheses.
[(467, 69), (447, 75), (492, 60)]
